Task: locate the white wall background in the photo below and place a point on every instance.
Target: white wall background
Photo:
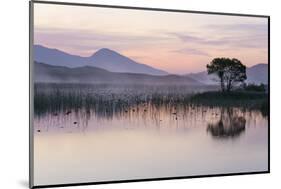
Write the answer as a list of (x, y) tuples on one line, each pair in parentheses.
[(14, 92)]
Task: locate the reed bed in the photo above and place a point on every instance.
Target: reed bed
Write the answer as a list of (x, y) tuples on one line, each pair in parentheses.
[(109, 99)]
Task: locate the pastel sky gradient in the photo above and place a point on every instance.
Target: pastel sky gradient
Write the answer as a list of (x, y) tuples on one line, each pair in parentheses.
[(175, 42)]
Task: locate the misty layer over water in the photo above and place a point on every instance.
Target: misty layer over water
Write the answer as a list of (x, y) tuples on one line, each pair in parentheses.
[(147, 141)]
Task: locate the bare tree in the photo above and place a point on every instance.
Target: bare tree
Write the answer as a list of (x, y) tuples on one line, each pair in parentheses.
[(229, 72)]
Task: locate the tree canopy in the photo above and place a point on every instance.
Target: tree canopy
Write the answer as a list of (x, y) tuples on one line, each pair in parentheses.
[(229, 71)]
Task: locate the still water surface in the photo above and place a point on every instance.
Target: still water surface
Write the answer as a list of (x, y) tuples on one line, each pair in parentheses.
[(147, 142)]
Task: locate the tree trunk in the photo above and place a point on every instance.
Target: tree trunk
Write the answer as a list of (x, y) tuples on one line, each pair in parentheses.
[(228, 88), (229, 84), (222, 85)]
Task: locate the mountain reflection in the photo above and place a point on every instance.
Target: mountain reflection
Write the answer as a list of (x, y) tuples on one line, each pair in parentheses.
[(229, 125)]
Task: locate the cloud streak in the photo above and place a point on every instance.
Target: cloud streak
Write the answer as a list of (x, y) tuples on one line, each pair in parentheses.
[(243, 35), (86, 41), (192, 51), (245, 27), (248, 41)]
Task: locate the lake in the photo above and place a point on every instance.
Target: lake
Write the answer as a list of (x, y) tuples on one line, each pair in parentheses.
[(147, 141)]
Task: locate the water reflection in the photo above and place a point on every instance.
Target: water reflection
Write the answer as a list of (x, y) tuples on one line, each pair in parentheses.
[(228, 126), (219, 122), (147, 141)]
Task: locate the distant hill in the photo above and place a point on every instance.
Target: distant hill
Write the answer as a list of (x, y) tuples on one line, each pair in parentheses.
[(88, 74), (256, 74), (103, 58)]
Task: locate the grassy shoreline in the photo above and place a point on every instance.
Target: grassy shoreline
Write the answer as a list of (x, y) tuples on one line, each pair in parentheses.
[(243, 99)]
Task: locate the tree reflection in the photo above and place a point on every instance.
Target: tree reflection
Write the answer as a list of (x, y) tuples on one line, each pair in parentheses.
[(229, 125)]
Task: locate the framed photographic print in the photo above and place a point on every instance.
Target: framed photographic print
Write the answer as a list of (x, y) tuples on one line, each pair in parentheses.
[(122, 94)]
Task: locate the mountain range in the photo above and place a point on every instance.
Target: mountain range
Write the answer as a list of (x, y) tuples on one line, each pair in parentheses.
[(112, 64), (103, 58)]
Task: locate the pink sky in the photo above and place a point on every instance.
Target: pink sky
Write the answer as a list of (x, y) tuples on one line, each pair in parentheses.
[(175, 42)]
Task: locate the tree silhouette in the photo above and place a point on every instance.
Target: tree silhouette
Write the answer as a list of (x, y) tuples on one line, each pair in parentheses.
[(229, 71)]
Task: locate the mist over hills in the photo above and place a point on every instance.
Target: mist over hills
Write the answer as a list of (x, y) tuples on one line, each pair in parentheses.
[(256, 74), (103, 58), (88, 74)]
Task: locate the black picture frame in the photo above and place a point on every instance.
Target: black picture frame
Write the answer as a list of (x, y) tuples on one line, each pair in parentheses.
[(31, 29)]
